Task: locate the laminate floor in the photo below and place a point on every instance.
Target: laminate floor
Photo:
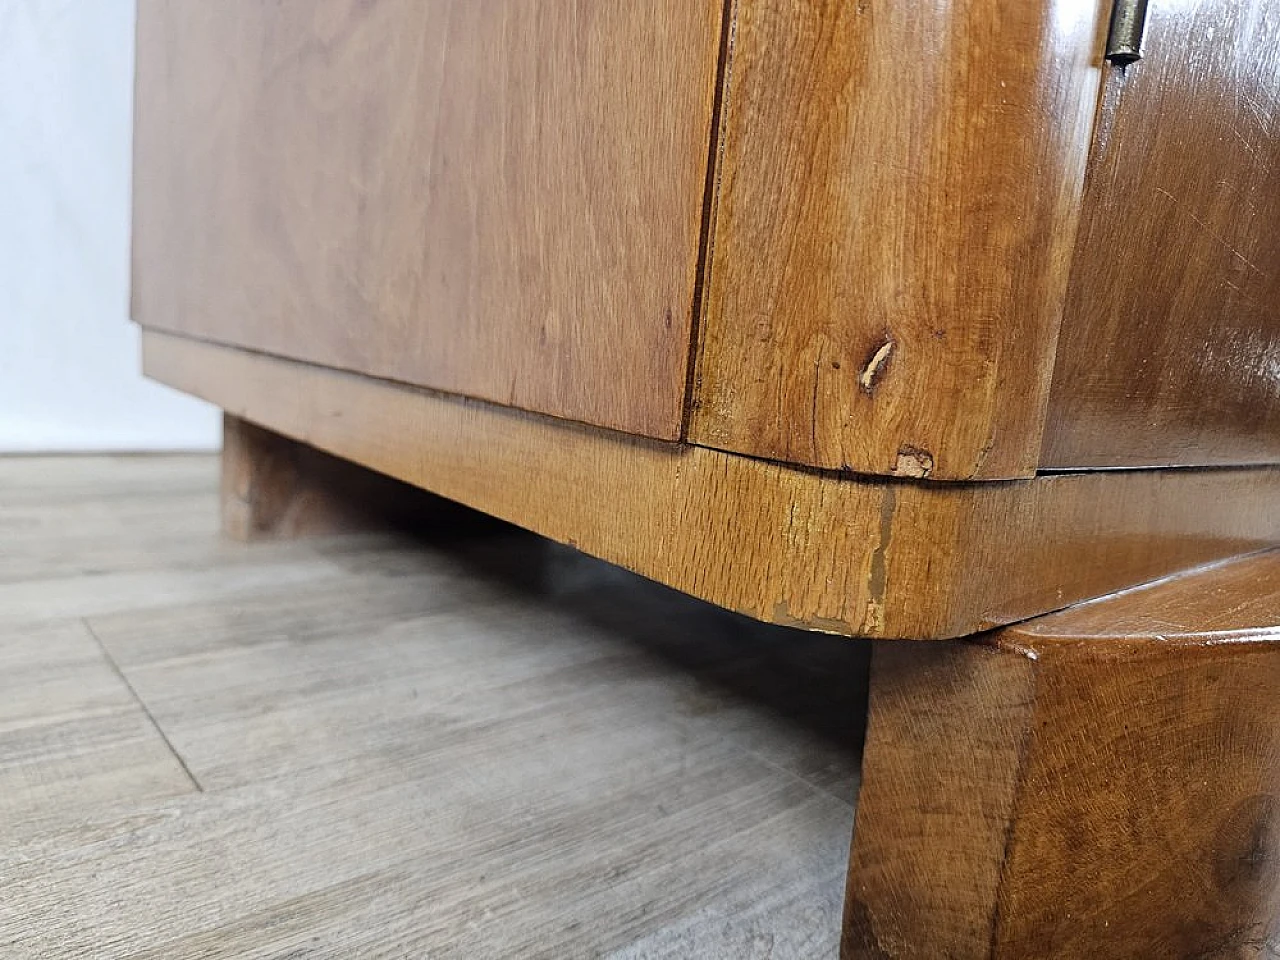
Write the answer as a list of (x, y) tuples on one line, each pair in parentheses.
[(382, 746)]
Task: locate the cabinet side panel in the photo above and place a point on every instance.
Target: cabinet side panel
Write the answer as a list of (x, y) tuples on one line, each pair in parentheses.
[(498, 199), (1170, 346), (896, 205)]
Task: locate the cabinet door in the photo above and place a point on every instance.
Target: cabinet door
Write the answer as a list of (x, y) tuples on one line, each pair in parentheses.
[(1169, 351), (498, 198)]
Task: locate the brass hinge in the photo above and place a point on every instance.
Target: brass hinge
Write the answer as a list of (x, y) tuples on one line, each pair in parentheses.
[(1124, 40)]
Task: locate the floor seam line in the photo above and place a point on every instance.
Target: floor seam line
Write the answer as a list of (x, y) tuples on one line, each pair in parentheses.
[(815, 787), (115, 667)]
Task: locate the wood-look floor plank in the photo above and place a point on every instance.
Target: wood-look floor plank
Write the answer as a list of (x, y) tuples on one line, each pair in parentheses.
[(470, 855), (406, 747), (66, 517), (48, 480), (259, 673), (72, 734)]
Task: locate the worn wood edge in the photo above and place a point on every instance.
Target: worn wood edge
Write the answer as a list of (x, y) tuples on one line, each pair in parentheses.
[(821, 551)]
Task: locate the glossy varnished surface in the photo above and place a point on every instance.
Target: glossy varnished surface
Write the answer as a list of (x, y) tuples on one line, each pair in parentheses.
[(390, 747), (1101, 782), (496, 199), (1231, 601), (819, 550), (894, 209), (1170, 344)]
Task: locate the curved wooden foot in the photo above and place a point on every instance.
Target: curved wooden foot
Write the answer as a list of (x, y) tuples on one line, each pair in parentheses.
[(1103, 782)]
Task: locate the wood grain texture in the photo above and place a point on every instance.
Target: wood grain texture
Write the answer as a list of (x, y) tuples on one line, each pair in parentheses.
[(501, 200), (944, 738), (273, 487), (1170, 345), (1100, 782), (819, 550), (896, 201), (457, 749)]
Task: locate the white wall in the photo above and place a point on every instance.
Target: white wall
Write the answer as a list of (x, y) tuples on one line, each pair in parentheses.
[(68, 354)]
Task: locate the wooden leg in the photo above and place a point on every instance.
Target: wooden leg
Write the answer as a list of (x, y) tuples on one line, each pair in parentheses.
[(277, 488), (1101, 783)]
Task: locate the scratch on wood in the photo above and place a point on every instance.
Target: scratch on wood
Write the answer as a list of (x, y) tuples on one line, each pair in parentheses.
[(913, 462), (875, 366), (813, 409), (873, 621), (1212, 233)]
